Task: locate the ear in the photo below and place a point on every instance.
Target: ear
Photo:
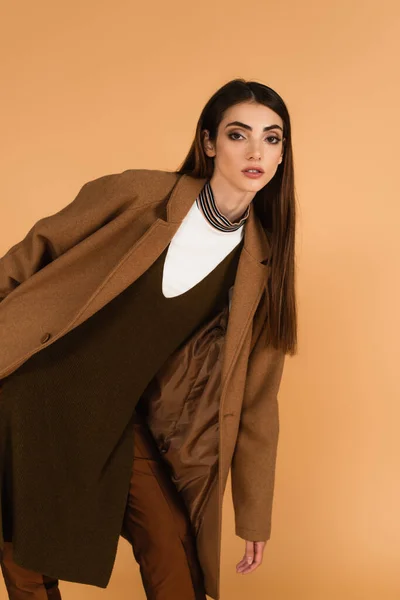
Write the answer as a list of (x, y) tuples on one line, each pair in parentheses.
[(208, 146)]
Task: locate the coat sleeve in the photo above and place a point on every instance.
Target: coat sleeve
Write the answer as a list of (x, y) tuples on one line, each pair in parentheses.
[(253, 461), (53, 235)]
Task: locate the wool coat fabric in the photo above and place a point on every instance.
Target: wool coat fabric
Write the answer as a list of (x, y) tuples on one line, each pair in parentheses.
[(72, 263)]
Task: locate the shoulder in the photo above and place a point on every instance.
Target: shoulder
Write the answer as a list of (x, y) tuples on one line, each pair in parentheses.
[(144, 186)]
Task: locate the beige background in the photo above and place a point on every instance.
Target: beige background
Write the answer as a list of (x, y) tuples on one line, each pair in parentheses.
[(90, 88)]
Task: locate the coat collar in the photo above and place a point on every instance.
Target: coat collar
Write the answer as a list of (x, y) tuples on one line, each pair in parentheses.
[(185, 193)]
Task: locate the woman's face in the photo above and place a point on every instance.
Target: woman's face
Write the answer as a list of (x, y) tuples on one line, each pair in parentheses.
[(255, 141)]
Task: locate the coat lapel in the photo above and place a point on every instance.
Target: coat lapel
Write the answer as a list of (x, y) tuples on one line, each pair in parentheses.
[(250, 278)]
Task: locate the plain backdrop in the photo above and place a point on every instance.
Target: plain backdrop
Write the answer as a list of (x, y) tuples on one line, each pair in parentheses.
[(97, 87)]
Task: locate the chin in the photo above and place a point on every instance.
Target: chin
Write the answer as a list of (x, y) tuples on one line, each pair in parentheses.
[(253, 183)]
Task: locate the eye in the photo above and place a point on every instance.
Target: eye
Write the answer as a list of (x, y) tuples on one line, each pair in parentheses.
[(270, 137), (233, 133), (274, 137)]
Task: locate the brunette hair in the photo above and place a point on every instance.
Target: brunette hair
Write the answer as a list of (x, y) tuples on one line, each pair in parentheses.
[(274, 204)]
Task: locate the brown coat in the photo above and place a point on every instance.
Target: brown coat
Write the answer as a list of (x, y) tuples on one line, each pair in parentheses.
[(70, 264)]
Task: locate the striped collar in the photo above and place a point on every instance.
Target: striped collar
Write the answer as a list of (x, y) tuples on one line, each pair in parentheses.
[(206, 203)]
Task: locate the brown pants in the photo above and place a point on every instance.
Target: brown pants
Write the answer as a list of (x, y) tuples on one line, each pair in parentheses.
[(157, 526)]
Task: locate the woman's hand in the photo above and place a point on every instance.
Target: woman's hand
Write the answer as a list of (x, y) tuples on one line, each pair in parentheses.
[(252, 558)]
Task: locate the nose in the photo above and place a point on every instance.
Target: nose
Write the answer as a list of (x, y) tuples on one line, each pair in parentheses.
[(254, 150)]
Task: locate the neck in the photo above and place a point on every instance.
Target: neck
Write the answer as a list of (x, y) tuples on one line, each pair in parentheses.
[(206, 203), (230, 201)]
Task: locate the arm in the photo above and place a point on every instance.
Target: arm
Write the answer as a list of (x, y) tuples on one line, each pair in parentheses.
[(53, 235), (253, 462)]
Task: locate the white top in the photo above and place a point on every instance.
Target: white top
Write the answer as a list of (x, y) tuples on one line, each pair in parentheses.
[(195, 250)]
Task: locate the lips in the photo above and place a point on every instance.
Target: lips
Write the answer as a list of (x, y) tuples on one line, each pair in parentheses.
[(253, 169)]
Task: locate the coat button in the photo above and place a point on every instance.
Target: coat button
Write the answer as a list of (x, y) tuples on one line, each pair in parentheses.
[(45, 338)]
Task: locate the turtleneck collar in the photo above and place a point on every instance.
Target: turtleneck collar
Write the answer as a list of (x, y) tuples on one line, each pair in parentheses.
[(206, 203)]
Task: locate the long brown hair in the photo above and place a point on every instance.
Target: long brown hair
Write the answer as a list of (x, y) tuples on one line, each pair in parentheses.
[(274, 204)]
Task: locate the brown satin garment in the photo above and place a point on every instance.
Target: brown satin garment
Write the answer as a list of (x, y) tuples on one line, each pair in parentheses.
[(181, 408)]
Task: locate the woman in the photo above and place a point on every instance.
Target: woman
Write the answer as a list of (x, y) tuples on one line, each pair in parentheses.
[(151, 317)]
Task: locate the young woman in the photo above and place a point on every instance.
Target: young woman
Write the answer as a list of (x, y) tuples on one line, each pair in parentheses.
[(144, 329)]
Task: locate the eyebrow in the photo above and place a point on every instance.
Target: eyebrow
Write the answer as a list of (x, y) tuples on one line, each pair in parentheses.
[(240, 124)]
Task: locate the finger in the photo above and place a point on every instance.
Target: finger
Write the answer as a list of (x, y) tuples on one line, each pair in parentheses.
[(258, 553), (257, 560), (248, 556), (242, 565), (249, 552), (250, 568)]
